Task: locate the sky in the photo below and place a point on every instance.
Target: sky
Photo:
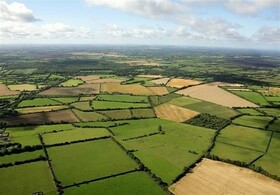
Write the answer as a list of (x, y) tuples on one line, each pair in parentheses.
[(210, 23)]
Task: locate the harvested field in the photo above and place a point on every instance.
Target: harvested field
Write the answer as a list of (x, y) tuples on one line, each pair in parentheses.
[(174, 113), (107, 80), (22, 87), (274, 89), (225, 84), (72, 91), (4, 90), (149, 76), (214, 177), (162, 81), (40, 118), (158, 90), (88, 78), (214, 94), (135, 89), (233, 89), (179, 83), (40, 109)]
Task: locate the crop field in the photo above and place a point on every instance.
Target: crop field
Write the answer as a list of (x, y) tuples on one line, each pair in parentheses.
[(29, 110), (103, 105), (252, 97), (71, 83), (249, 111), (66, 100), (123, 98), (88, 89), (174, 113), (88, 78), (5, 91), (161, 81), (22, 87), (135, 89), (158, 90), (27, 179), (100, 154), (82, 105), (253, 121), (74, 135), (179, 83), (21, 157), (245, 137), (143, 113), (214, 94), (149, 76), (40, 118), (89, 116), (137, 183), (213, 177), (183, 101), (38, 102), (117, 114)]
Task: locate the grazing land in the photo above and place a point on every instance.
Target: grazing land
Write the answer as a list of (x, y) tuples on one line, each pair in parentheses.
[(71, 83), (29, 110), (252, 97), (213, 177), (253, 121), (123, 98), (88, 116), (103, 105), (38, 102)]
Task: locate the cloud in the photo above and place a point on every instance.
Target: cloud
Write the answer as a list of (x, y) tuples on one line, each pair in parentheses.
[(250, 7), (268, 34), (149, 8), (16, 12)]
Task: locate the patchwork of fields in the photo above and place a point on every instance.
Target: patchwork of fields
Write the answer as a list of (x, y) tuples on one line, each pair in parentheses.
[(115, 135)]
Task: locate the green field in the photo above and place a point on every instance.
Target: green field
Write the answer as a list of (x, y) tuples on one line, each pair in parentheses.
[(71, 83), (101, 155), (275, 126), (73, 135), (245, 137), (252, 97), (66, 100), (271, 111), (98, 124), (143, 113), (21, 157), (89, 116), (183, 101), (137, 183), (103, 105), (213, 109), (117, 114), (233, 152), (249, 111), (38, 102), (123, 98), (252, 121), (82, 105), (156, 100), (26, 179)]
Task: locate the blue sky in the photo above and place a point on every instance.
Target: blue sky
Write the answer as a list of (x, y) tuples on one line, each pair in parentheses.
[(211, 23)]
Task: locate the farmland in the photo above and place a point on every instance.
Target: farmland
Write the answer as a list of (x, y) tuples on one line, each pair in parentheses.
[(129, 120)]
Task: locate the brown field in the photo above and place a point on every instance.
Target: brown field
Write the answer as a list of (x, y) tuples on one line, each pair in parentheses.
[(135, 89), (140, 63), (71, 91), (4, 90), (40, 109), (226, 84), (40, 118), (108, 80), (179, 83), (22, 87), (97, 79), (174, 113), (274, 89), (88, 78), (239, 89), (213, 93), (214, 177), (149, 76), (158, 90), (162, 81)]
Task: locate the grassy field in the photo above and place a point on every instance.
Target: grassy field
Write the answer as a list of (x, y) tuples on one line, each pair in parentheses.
[(123, 98), (245, 137), (28, 110), (23, 87), (271, 111), (101, 155), (76, 134), (21, 157), (135, 89), (82, 105), (249, 111), (252, 97), (103, 105), (66, 100), (89, 116), (117, 114), (97, 124), (27, 179), (138, 183), (252, 121), (38, 102), (232, 152), (183, 101), (275, 125), (71, 83), (143, 113)]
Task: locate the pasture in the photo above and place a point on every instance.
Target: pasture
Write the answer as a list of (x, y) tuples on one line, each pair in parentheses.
[(117, 114), (89, 116), (66, 100), (84, 106), (23, 87), (214, 177), (100, 154), (123, 98), (29, 110), (249, 111), (21, 157), (71, 83), (38, 102), (252, 97), (27, 179), (253, 121), (104, 105)]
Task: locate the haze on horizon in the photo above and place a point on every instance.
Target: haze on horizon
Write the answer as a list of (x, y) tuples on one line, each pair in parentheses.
[(211, 23)]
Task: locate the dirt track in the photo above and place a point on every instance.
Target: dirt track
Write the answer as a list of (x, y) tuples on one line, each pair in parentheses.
[(214, 177)]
